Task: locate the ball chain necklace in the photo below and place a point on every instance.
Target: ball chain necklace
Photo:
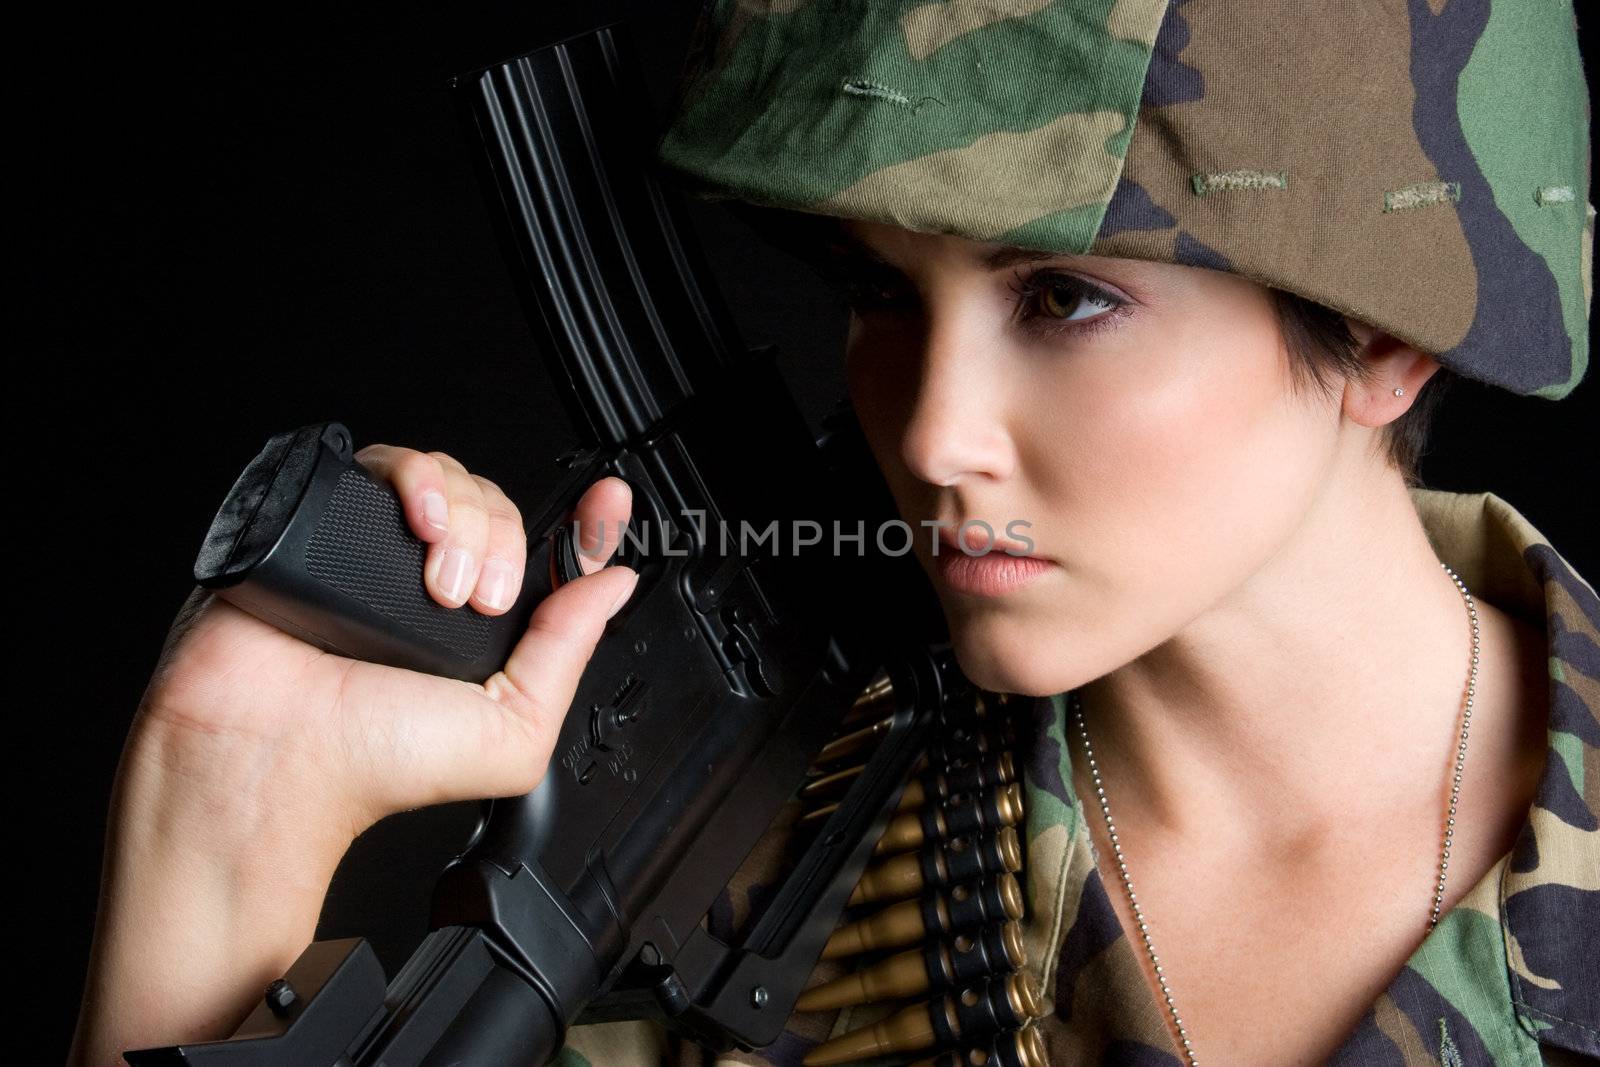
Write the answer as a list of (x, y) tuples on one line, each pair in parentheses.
[(1444, 859)]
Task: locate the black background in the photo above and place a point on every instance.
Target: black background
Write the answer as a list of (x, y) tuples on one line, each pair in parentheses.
[(247, 218)]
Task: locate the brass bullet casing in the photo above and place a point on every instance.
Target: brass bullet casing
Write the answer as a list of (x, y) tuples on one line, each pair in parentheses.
[(909, 831), (906, 1030), (914, 795), (817, 816), (957, 910), (933, 968), (831, 786), (1000, 769), (901, 975), (971, 1016), (1025, 1048), (1015, 1048), (961, 859), (894, 879), (964, 813), (880, 687), (875, 701), (896, 926), (854, 743)]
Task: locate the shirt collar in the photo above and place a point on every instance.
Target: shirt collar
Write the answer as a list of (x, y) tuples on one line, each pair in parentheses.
[(1549, 890)]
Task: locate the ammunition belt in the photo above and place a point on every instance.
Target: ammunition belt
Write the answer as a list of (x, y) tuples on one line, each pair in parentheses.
[(934, 926)]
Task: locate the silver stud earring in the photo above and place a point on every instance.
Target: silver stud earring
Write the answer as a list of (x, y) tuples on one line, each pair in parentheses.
[(1399, 391)]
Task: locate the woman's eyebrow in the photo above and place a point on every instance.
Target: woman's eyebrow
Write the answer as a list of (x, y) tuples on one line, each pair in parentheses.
[(1011, 256), (846, 246)]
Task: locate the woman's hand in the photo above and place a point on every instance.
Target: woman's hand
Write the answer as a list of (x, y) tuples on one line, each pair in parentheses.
[(255, 759)]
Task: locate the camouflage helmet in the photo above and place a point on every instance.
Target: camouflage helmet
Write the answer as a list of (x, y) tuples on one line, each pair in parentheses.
[(1422, 167)]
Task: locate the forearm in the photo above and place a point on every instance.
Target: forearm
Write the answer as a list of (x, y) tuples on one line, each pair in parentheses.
[(204, 900)]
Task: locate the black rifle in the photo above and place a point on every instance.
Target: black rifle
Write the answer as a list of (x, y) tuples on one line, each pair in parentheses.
[(710, 693)]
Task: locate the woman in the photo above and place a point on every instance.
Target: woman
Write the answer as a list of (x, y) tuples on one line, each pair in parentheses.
[(1068, 233)]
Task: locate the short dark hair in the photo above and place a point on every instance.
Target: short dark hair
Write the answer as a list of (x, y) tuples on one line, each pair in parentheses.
[(1323, 352)]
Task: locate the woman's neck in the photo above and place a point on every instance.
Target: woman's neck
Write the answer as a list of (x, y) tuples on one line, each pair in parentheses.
[(1327, 688)]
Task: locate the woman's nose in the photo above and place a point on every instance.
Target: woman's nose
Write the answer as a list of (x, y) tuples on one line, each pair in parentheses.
[(955, 422)]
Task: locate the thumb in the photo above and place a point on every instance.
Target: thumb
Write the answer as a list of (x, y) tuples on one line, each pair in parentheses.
[(421, 739)]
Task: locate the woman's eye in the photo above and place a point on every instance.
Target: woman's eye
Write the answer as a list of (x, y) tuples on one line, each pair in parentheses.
[(1067, 299), (1051, 301)]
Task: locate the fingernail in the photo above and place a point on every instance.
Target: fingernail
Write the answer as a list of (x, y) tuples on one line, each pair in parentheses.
[(622, 598), (453, 573), (496, 584), (435, 511)]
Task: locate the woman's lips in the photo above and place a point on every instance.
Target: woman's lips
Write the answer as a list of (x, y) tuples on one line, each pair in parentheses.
[(989, 574)]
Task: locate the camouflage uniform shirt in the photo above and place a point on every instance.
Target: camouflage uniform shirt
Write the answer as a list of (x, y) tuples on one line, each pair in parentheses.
[(1510, 977)]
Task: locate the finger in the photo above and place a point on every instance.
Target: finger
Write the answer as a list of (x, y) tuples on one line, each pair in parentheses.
[(415, 739), (543, 670), (451, 570), (505, 554), (419, 480), (598, 519)]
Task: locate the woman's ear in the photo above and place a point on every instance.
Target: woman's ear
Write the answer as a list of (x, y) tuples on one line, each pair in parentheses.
[(1396, 373)]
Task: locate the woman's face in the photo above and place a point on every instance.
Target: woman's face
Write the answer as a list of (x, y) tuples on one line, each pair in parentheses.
[(1138, 415)]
